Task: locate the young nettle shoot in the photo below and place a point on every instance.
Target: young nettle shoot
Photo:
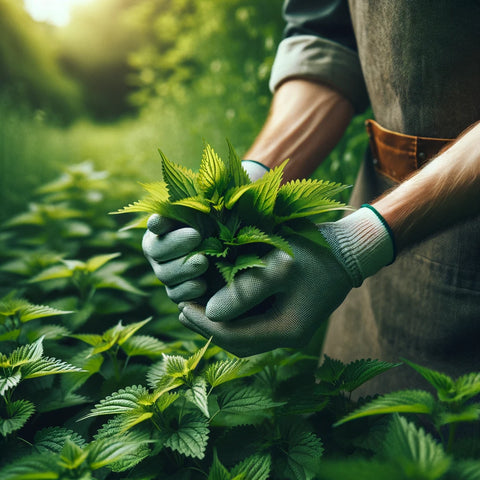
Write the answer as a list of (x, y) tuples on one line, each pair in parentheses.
[(240, 220)]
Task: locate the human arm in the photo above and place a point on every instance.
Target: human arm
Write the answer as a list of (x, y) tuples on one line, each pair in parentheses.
[(306, 120), (445, 191)]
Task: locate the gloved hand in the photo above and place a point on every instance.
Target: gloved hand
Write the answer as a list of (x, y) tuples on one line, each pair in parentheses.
[(166, 245), (304, 290)]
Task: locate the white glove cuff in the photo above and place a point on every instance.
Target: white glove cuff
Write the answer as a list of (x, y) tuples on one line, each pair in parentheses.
[(254, 169), (362, 242)]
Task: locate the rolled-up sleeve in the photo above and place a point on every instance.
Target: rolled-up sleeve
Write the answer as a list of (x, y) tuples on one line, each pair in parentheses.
[(319, 44)]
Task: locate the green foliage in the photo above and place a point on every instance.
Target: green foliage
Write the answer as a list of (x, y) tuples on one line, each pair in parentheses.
[(337, 377), (234, 214), (411, 401)]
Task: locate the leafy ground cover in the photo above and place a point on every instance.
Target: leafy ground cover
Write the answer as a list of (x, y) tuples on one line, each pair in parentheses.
[(98, 380)]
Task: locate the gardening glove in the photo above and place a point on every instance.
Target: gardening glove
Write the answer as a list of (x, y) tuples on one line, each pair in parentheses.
[(254, 169), (294, 294), (166, 245)]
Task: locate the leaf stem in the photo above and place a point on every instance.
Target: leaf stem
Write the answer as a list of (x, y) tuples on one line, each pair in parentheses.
[(452, 429)]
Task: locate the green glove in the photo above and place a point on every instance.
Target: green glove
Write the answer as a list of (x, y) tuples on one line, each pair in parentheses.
[(166, 246), (297, 293)]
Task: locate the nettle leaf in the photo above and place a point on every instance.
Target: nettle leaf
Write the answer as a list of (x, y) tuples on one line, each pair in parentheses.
[(244, 400), (146, 205), (444, 384), (143, 345), (10, 331), (53, 273), (306, 228), (465, 470), (190, 435), (217, 470), (330, 370), (415, 451), (194, 359), (115, 282), (52, 439), (32, 467), (263, 193), (116, 335), (157, 190), (17, 414), (303, 451), (48, 332), (25, 354), (405, 401), (134, 418), (242, 262), (224, 371), (468, 413), (255, 467), (212, 175), (302, 198), (467, 386), (10, 381), (111, 428), (251, 234), (195, 203), (165, 385), (126, 331), (212, 246), (234, 194), (448, 390), (131, 458), (26, 311), (165, 400), (197, 394), (125, 400), (98, 261), (175, 366), (47, 366), (180, 181), (72, 455), (90, 338), (90, 364), (235, 172), (360, 371)]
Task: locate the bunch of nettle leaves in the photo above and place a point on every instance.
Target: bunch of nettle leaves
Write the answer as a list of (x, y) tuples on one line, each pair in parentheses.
[(236, 217), (105, 383)]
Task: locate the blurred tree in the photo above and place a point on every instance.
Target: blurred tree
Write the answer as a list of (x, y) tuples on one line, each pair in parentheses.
[(28, 64)]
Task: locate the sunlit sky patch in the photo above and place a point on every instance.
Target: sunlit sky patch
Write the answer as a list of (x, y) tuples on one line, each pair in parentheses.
[(56, 12)]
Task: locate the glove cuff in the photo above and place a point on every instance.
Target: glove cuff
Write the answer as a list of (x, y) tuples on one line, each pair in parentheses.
[(362, 242), (254, 169)]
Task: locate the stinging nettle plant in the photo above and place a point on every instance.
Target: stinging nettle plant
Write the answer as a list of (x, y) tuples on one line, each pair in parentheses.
[(239, 219)]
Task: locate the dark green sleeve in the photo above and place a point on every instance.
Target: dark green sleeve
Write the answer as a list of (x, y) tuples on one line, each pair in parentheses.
[(319, 44)]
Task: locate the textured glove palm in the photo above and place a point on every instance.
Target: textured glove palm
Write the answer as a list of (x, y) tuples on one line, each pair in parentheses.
[(292, 295)]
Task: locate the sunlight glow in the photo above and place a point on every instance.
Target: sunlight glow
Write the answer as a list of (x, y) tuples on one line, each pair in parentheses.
[(56, 12)]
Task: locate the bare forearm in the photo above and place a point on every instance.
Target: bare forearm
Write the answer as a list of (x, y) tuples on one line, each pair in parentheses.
[(306, 121), (444, 192)]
